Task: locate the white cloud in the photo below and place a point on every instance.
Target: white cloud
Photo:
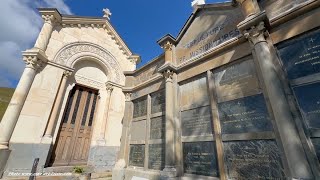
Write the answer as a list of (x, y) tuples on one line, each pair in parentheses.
[(20, 26)]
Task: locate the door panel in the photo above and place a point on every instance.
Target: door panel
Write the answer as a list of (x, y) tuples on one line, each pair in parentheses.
[(74, 137)]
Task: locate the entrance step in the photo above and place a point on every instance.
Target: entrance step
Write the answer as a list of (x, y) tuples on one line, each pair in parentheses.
[(101, 176)]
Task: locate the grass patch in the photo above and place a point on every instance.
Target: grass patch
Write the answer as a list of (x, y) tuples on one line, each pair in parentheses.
[(5, 96)]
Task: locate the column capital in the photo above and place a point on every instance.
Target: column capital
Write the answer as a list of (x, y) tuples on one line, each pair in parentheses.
[(256, 33), (167, 46), (168, 74), (128, 96), (49, 18), (50, 15), (34, 58), (67, 73), (109, 87)]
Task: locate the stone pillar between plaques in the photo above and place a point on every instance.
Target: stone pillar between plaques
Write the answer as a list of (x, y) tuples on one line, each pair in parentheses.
[(122, 161), (296, 160), (57, 105), (170, 170), (102, 138), (34, 61)]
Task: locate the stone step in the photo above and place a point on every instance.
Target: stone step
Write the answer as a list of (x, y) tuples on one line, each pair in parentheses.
[(100, 176)]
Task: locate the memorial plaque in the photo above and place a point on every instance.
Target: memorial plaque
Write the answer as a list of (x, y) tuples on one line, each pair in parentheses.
[(136, 156), (200, 158), (138, 130), (248, 114), (316, 145), (194, 93), (254, 159), (196, 122), (301, 56), (158, 102), (156, 156), (140, 107), (157, 127), (236, 79), (308, 98)]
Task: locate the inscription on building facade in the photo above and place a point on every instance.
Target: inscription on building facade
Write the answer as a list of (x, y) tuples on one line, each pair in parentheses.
[(301, 57), (158, 102), (308, 98), (236, 79), (156, 156), (157, 127), (200, 158), (255, 159), (140, 107), (196, 121), (248, 114), (136, 157)]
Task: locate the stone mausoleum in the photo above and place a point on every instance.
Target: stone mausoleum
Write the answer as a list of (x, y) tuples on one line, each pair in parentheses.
[(236, 95)]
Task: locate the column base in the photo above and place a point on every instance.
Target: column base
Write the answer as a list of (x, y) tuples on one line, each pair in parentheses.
[(4, 156), (4, 145), (169, 172)]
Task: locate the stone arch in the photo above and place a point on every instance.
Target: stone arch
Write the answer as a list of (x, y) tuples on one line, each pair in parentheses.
[(70, 54)]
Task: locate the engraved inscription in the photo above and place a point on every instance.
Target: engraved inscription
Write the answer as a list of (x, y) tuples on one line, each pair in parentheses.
[(308, 98), (301, 56), (157, 127), (156, 156), (200, 158), (255, 159), (196, 122), (140, 107), (158, 102), (136, 157), (236, 79), (244, 115)]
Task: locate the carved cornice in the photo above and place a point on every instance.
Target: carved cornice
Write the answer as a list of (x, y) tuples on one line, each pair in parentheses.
[(88, 82)]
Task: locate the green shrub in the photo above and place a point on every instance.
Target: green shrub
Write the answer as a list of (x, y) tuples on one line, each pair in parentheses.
[(78, 170)]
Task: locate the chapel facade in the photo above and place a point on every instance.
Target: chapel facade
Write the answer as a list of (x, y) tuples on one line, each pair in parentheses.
[(234, 96)]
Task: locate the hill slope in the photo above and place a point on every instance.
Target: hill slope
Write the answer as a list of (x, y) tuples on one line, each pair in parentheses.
[(5, 96)]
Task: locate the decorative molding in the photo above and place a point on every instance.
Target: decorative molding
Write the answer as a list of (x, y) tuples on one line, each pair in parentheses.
[(256, 34), (168, 74), (64, 57), (109, 87), (34, 58), (89, 82), (167, 46), (128, 96), (49, 18), (67, 73)]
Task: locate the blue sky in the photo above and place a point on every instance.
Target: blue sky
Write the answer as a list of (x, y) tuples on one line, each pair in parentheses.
[(140, 23)]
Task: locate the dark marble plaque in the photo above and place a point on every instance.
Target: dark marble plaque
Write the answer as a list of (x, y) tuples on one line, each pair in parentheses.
[(158, 102), (308, 98), (196, 122), (248, 114), (156, 156), (316, 145), (140, 107), (200, 158), (301, 56), (136, 156), (157, 127), (255, 159)]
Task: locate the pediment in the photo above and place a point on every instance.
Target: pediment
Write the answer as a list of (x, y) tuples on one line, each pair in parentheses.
[(206, 29)]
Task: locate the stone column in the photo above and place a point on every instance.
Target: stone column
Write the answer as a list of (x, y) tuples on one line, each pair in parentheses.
[(109, 88), (46, 31), (170, 160), (168, 51), (33, 63), (56, 109), (296, 160)]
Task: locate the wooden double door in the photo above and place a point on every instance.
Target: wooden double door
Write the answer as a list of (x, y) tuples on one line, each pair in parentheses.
[(74, 137)]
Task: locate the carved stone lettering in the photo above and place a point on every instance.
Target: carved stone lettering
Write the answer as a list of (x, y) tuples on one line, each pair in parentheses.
[(157, 127), (196, 122), (156, 156), (255, 159), (236, 79), (136, 157), (308, 98), (140, 107), (244, 115), (200, 158), (301, 56)]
